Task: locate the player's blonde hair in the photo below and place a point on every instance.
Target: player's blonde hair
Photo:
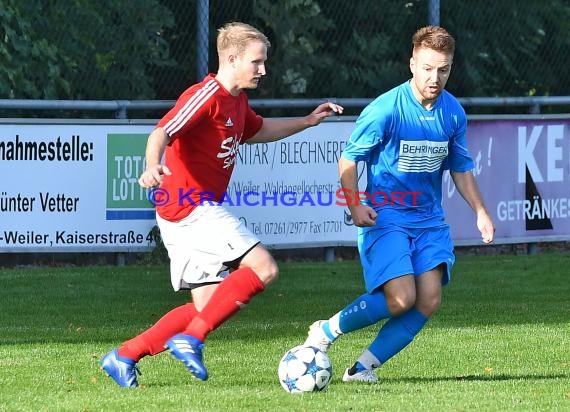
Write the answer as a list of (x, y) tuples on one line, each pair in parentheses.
[(435, 38), (234, 37)]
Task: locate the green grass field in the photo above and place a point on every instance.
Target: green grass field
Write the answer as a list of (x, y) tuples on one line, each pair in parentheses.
[(501, 341)]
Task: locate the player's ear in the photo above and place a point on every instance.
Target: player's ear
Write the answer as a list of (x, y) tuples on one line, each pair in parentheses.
[(412, 64)]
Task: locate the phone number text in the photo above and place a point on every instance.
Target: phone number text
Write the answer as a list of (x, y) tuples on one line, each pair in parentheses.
[(297, 227)]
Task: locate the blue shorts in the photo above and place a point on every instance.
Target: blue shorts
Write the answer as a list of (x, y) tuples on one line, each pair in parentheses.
[(390, 252)]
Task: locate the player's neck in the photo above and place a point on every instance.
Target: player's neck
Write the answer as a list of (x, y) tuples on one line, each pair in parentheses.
[(228, 82), (427, 104)]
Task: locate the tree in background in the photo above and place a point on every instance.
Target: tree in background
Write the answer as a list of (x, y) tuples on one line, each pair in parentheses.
[(299, 54), (509, 48), (146, 49), (30, 65), (80, 49), (372, 52)]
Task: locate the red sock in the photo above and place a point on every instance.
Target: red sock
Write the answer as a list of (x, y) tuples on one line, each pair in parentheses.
[(152, 340), (233, 293)]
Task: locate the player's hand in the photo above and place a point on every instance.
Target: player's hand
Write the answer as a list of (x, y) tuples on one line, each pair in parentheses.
[(153, 176), (363, 215), (486, 227), (324, 110)]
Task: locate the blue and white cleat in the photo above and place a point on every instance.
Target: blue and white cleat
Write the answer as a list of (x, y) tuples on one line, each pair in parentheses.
[(188, 350), (122, 370)]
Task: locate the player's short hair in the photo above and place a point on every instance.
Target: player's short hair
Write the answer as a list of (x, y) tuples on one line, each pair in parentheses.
[(435, 38), (237, 35)]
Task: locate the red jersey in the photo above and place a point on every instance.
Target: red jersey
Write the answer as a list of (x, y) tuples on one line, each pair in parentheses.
[(206, 127)]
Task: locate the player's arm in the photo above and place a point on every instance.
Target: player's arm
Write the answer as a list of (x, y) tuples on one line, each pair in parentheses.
[(157, 141), (276, 129), (467, 187), (362, 215)]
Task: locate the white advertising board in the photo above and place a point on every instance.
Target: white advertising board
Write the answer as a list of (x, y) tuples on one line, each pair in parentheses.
[(287, 190), (72, 187), (63, 182)]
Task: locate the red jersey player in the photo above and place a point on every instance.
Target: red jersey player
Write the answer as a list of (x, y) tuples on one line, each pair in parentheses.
[(198, 142)]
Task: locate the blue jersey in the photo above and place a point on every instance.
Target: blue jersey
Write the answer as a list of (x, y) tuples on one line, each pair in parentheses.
[(406, 149)]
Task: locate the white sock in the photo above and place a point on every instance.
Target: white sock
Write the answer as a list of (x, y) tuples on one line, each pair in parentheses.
[(334, 328)]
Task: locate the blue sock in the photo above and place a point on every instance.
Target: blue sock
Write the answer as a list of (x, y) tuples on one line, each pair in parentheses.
[(396, 334), (364, 311)]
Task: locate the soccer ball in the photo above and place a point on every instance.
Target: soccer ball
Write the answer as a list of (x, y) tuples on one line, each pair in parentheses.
[(304, 369)]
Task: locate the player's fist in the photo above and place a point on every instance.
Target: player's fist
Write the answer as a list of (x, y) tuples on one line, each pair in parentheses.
[(153, 176), (363, 215)]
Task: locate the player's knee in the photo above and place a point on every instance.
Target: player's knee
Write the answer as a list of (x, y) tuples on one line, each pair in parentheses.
[(267, 272), (428, 305), (401, 302), (262, 263)]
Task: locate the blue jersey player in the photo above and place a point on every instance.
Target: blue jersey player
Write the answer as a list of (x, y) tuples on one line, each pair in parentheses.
[(407, 137)]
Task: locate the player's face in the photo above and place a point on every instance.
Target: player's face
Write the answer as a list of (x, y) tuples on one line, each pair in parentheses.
[(430, 72), (250, 65)]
